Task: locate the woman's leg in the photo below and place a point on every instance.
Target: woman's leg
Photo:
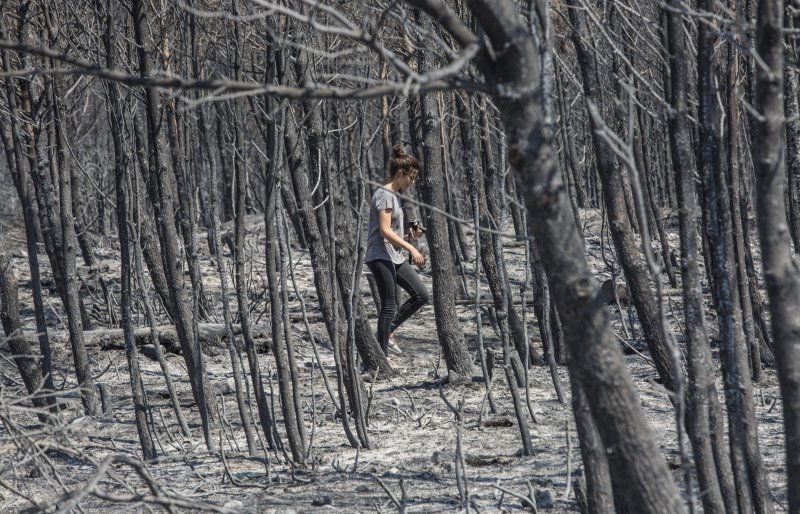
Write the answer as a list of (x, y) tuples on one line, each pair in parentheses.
[(384, 274), (408, 279)]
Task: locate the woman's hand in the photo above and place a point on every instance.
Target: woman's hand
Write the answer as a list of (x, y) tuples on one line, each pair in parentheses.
[(413, 233), (417, 257)]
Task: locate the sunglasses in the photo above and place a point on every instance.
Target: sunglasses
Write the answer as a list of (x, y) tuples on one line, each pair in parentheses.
[(411, 176)]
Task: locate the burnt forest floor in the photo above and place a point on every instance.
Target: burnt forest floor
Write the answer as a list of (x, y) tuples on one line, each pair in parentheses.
[(412, 431)]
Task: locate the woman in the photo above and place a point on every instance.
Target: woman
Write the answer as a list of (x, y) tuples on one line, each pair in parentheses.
[(385, 240)]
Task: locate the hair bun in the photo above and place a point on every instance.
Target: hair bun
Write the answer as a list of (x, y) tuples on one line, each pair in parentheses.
[(397, 151)]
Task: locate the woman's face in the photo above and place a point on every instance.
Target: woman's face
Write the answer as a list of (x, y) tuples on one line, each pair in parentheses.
[(410, 177)]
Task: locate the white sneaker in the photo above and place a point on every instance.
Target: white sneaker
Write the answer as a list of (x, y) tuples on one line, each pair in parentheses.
[(393, 348)]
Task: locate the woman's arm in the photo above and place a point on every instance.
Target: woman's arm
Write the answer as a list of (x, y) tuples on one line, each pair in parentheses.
[(385, 226)]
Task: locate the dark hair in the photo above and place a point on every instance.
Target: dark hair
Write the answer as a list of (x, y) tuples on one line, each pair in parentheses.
[(401, 161)]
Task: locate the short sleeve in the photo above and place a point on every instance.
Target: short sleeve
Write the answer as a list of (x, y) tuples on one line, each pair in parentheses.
[(383, 200)]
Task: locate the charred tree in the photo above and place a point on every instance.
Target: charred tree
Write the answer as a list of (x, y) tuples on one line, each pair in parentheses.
[(780, 269), (636, 467), (714, 477), (448, 328), (614, 195), (162, 193)]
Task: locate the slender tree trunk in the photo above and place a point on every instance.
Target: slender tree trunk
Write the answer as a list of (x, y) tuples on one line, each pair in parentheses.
[(121, 179), (643, 163), (292, 418), (448, 328), (792, 112), (780, 270), (162, 196), (734, 192), (320, 259), (69, 246), (496, 277), (21, 352), (636, 272), (701, 383), (25, 192), (747, 468)]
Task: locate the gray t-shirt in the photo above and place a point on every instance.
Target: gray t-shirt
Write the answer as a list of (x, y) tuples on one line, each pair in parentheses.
[(379, 248)]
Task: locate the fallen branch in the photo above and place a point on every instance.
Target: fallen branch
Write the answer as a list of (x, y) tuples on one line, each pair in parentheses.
[(213, 338)]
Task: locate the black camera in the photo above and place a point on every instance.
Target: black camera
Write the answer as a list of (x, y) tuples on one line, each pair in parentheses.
[(415, 225)]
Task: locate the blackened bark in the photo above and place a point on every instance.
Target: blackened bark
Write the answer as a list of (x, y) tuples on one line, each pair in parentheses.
[(749, 475), (448, 328), (25, 191), (599, 493), (614, 195), (121, 180), (792, 112), (292, 418), (701, 384), (240, 204), (737, 227), (496, 277), (368, 348), (69, 248), (780, 270), (321, 264), (643, 163), (581, 199), (635, 464), (21, 352), (148, 239), (469, 148), (161, 194)]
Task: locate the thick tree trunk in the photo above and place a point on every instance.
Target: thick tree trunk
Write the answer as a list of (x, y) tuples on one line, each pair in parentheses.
[(599, 493), (636, 466)]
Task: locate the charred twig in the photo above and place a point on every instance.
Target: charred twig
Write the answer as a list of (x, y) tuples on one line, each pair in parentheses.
[(401, 503), (525, 500)]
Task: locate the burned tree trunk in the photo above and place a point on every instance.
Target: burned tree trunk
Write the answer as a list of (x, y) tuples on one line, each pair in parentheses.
[(121, 179), (701, 384), (792, 112), (636, 467), (332, 310), (21, 353), (451, 336), (161, 191), (748, 472), (69, 247), (26, 193), (614, 195), (780, 270), (496, 275)]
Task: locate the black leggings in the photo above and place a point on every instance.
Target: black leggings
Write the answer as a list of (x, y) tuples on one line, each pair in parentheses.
[(387, 276)]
